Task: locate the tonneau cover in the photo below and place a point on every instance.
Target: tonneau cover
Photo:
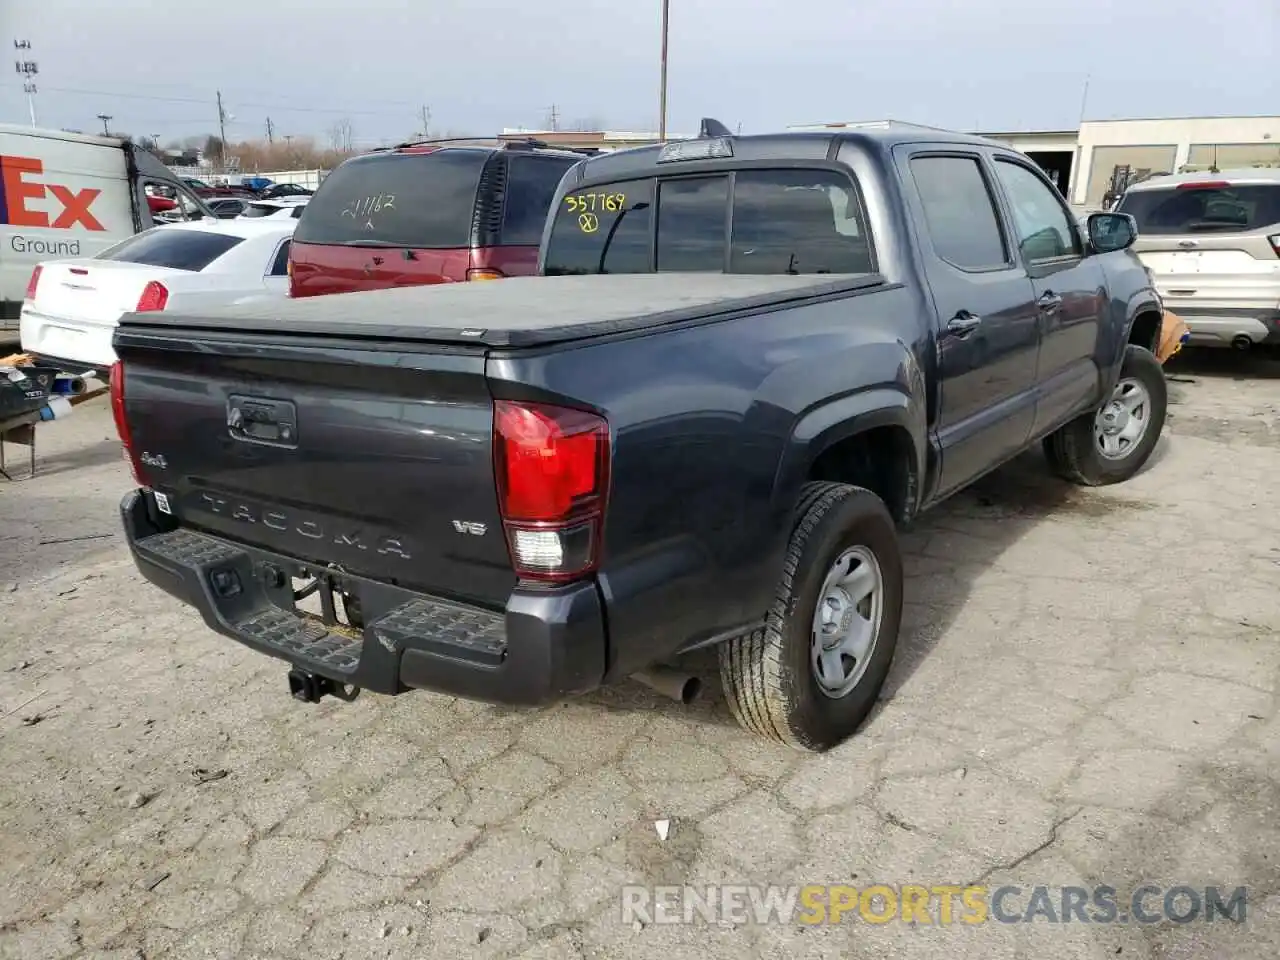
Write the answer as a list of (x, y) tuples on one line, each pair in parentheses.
[(521, 311)]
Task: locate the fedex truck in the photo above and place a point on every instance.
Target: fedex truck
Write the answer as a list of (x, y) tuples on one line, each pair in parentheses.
[(71, 195)]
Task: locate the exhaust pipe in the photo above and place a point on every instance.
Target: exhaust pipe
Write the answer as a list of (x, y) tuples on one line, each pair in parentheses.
[(676, 684), (1241, 342)]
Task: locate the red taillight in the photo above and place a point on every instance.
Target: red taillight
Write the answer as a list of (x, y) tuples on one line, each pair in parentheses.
[(116, 377), (485, 273), (154, 296), (552, 468), (1205, 185), (33, 283)]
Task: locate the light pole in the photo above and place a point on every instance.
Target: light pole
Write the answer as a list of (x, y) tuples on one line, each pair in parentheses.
[(662, 89)]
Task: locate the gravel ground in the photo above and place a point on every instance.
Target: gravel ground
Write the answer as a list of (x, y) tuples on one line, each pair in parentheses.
[(1085, 693)]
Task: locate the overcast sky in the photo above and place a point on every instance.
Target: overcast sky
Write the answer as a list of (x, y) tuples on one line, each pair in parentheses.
[(480, 65)]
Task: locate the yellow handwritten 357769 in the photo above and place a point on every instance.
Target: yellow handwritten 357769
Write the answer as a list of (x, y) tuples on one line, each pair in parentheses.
[(596, 202)]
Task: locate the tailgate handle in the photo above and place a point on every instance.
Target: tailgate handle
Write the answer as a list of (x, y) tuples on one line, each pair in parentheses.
[(260, 420)]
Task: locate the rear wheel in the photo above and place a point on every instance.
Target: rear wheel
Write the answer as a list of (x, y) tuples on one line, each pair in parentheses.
[(1114, 443), (811, 675)]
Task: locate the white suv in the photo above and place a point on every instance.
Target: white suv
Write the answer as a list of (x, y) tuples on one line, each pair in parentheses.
[(1212, 244)]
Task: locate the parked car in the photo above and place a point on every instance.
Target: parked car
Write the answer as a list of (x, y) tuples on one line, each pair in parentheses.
[(520, 491), (71, 195), (1212, 242), (283, 208), (427, 214), (228, 208), (72, 306), (280, 190)]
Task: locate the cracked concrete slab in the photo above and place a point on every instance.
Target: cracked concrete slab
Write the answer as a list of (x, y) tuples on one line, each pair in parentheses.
[(1085, 694)]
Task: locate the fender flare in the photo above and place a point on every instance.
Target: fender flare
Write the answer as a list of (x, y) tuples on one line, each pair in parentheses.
[(843, 417)]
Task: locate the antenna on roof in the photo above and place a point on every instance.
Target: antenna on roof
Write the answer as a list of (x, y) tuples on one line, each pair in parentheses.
[(713, 128)]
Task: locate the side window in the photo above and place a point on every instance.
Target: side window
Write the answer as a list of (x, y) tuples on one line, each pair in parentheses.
[(797, 222), (959, 212), (1044, 229), (691, 221), (280, 266), (531, 186), (601, 229)]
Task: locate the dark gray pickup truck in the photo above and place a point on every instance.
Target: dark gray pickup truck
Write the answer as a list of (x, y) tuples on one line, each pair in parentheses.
[(748, 360)]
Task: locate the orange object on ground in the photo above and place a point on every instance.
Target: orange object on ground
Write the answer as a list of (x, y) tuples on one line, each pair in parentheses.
[(1174, 332)]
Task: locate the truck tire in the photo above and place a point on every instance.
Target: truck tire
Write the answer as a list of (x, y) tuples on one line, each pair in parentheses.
[(811, 674), (1111, 445)]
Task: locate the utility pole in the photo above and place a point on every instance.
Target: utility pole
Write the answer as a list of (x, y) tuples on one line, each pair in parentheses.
[(1084, 99), (426, 122), (553, 118), (271, 132), (105, 118), (27, 69), (662, 87), (222, 132)]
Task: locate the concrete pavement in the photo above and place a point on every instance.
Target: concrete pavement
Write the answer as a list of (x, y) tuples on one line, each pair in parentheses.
[(1085, 694)]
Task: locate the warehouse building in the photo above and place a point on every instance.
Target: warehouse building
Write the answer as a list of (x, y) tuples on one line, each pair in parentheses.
[(1092, 163)]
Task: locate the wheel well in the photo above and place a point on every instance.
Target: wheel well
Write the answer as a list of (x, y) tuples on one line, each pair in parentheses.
[(1145, 331), (881, 459)]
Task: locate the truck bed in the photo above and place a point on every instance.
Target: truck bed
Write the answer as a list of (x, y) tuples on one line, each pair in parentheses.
[(517, 312)]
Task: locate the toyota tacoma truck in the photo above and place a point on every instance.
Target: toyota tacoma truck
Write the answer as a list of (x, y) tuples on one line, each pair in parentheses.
[(746, 361)]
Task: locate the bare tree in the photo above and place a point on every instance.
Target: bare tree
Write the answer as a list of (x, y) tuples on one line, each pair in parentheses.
[(340, 136), (214, 147), (587, 124)]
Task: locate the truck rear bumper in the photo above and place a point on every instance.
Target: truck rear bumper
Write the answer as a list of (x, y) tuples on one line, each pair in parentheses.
[(549, 643)]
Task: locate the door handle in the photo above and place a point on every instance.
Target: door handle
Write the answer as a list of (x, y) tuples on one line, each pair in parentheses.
[(1049, 301), (963, 324)]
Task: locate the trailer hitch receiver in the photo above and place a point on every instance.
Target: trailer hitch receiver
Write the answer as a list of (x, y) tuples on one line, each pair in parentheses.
[(310, 688)]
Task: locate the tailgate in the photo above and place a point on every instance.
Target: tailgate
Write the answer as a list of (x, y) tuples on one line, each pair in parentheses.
[(334, 453)]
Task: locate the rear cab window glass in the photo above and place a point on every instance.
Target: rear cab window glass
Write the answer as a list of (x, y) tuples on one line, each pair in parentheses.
[(797, 221), (424, 200), (691, 224), (601, 229), (960, 212), (175, 247), (532, 182), (1203, 209), (260, 210)]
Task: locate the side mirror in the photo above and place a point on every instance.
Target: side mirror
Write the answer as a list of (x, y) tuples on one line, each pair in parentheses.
[(1109, 232)]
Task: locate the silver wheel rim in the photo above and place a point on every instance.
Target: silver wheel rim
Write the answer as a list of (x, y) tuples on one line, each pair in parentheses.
[(846, 621), (1120, 426)]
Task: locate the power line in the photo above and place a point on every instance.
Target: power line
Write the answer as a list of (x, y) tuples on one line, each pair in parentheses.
[(278, 106)]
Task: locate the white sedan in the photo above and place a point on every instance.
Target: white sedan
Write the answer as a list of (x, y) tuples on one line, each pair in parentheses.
[(72, 307), (281, 208)]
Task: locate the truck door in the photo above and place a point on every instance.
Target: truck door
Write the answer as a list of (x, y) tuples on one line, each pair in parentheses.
[(988, 322), (1070, 289), (153, 182)]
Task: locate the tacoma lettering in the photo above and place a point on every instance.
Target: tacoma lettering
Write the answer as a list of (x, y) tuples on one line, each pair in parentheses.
[(383, 545)]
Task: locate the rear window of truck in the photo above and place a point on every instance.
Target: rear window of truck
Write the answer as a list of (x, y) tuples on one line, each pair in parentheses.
[(419, 200), (789, 221), (173, 247), (1203, 209)]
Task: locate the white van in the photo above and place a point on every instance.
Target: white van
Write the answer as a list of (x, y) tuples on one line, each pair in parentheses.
[(71, 195)]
